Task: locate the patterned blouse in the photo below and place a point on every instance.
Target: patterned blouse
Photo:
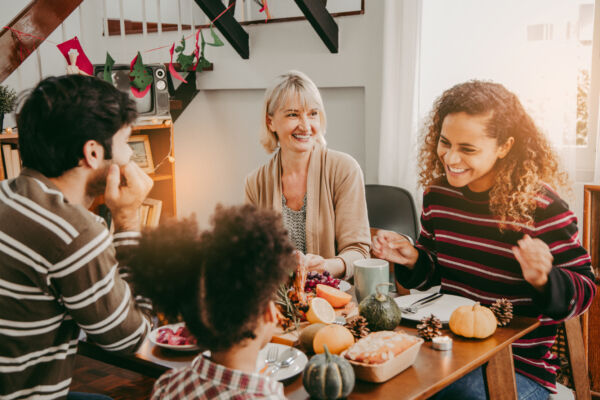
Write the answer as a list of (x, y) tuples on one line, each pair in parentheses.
[(295, 223)]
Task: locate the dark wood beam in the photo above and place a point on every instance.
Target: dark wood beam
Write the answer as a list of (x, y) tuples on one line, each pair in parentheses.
[(321, 21), (39, 18), (227, 25)]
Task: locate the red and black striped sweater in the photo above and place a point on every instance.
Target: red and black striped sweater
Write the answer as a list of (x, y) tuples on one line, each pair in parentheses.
[(462, 248)]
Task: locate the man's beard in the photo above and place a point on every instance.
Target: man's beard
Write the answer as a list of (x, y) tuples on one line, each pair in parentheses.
[(96, 185)]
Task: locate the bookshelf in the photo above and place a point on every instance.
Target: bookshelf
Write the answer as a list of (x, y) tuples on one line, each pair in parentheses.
[(162, 146), (160, 137), (9, 143)]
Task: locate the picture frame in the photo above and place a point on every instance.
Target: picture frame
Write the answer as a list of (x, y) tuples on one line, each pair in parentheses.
[(142, 155)]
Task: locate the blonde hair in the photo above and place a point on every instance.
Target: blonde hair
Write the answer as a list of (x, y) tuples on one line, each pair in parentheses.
[(530, 163), (292, 84)]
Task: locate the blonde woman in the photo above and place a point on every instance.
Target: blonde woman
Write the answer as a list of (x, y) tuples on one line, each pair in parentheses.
[(493, 227), (320, 192)]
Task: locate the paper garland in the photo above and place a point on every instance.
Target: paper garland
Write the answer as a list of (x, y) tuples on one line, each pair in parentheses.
[(140, 78)]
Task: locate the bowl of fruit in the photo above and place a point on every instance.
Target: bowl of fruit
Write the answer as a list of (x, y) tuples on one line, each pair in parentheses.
[(315, 278)]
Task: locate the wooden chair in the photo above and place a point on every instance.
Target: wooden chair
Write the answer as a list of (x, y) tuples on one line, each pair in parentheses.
[(570, 347)]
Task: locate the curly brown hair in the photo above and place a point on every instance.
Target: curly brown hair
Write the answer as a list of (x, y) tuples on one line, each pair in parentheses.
[(221, 280), (530, 163)]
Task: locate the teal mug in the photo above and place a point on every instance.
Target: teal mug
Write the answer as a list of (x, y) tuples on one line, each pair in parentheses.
[(368, 273)]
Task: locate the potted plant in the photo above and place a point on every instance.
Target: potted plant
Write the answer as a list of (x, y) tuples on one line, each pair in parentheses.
[(8, 98)]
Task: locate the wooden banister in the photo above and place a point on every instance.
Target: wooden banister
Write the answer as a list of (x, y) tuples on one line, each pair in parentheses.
[(39, 18)]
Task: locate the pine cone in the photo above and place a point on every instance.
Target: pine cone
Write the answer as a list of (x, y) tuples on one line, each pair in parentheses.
[(429, 327), (358, 326), (503, 310)]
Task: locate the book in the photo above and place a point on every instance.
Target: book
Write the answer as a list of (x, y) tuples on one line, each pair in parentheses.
[(8, 164), (154, 213), (16, 162), (2, 171)]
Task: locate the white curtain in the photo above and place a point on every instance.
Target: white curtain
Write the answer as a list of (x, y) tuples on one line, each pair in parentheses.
[(399, 113)]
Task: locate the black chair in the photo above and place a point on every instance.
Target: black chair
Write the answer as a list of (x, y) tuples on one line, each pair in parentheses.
[(392, 208)]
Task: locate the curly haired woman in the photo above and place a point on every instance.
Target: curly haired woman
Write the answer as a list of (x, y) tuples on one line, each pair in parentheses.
[(223, 283), (493, 227)]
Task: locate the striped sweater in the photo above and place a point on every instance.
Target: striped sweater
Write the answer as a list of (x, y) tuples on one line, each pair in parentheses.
[(462, 248), (58, 274)]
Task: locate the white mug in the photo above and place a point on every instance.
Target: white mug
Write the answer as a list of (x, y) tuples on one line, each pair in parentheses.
[(368, 273)]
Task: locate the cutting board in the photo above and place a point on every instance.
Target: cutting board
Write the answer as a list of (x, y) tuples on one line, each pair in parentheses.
[(291, 338)]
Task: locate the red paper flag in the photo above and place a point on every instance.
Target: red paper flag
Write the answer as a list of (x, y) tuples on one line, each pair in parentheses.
[(83, 62), (174, 73)]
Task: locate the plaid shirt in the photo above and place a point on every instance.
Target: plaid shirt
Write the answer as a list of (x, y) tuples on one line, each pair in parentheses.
[(205, 379)]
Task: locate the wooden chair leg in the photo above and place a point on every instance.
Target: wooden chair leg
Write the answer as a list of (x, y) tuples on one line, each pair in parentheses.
[(577, 359)]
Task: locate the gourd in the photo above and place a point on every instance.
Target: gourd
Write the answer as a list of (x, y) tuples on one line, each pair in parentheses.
[(473, 321), (336, 337), (327, 376), (307, 335), (380, 310)]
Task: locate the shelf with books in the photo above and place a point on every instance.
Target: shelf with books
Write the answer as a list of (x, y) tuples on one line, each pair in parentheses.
[(155, 153), (10, 160)]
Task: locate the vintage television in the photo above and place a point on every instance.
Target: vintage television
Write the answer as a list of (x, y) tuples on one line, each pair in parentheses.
[(154, 106)]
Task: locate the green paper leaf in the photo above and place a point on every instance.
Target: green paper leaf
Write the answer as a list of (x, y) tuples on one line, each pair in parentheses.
[(141, 76), (216, 41), (186, 61), (108, 68), (203, 63)]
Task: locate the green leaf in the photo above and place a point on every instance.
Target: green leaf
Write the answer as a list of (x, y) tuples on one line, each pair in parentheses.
[(216, 41), (178, 49), (203, 63), (141, 77), (186, 61), (108, 68)]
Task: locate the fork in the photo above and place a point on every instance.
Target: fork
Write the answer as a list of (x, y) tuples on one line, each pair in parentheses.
[(270, 359), (287, 358), (428, 300)]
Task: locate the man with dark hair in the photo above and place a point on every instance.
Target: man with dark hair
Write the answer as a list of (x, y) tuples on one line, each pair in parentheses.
[(58, 262)]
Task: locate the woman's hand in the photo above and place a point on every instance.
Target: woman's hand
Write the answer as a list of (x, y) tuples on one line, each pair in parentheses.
[(535, 259), (392, 246), (314, 262), (335, 265)]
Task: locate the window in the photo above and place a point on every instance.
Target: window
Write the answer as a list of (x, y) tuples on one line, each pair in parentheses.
[(539, 49)]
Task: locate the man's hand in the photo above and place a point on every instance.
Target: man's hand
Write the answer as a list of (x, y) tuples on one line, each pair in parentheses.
[(124, 197), (396, 248), (535, 259)]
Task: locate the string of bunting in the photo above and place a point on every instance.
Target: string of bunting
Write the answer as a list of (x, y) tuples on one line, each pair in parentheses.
[(141, 80)]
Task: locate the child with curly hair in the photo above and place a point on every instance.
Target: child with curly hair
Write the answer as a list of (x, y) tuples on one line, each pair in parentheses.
[(493, 227), (223, 283)]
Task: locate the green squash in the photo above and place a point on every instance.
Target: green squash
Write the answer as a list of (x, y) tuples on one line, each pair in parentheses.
[(381, 311), (328, 376)]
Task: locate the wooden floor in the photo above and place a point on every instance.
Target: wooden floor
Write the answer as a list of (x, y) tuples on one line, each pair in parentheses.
[(93, 376)]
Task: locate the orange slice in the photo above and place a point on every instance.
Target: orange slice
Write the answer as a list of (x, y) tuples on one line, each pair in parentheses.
[(334, 296), (320, 311)]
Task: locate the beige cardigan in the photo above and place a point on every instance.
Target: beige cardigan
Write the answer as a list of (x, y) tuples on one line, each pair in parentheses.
[(337, 224)]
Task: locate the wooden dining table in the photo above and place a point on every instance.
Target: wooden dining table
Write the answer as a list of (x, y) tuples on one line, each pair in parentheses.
[(432, 371)]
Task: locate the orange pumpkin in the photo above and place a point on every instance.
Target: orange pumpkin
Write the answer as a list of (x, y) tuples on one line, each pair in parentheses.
[(473, 321)]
